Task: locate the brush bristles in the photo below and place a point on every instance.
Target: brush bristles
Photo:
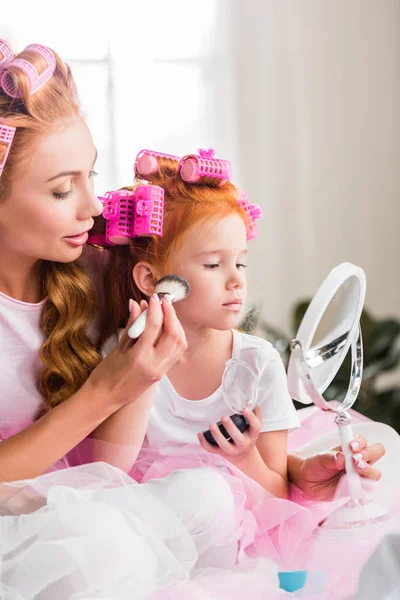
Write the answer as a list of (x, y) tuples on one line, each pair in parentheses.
[(174, 285)]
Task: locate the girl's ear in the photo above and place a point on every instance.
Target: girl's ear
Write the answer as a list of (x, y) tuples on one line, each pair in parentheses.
[(145, 277)]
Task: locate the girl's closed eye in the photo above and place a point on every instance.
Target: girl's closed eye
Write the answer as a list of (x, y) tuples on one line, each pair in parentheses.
[(241, 266), (211, 265), (93, 174), (62, 195)]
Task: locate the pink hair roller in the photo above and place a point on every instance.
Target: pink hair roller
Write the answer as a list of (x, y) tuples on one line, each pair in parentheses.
[(131, 214), (6, 137), (146, 162), (118, 212), (149, 211), (7, 53), (193, 167), (254, 211), (37, 81)]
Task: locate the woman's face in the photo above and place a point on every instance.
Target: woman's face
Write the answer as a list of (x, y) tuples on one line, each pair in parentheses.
[(52, 202)]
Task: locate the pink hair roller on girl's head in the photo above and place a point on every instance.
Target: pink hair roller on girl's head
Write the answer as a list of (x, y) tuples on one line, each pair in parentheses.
[(37, 81), (6, 137), (193, 167), (131, 214), (254, 211), (7, 53), (146, 162)]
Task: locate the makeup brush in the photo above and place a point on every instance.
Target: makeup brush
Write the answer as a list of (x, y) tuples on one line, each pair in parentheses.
[(175, 286)]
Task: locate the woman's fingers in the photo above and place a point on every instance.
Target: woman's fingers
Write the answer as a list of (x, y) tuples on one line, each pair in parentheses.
[(172, 342), (154, 321), (125, 341)]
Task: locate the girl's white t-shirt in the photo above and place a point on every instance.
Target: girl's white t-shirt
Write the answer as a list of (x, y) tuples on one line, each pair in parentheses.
[(174, 419)]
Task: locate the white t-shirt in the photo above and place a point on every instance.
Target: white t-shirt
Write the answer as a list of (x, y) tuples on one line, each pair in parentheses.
[(176, 419), (20, 343)]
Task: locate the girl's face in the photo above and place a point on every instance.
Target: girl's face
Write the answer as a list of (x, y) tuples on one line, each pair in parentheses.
[(212, 257), (52, 202)]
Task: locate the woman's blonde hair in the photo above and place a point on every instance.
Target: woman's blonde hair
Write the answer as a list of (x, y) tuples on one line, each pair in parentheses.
[(67, 353)]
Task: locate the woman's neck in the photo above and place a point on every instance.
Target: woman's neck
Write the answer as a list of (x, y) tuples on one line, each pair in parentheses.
[(20, 277)]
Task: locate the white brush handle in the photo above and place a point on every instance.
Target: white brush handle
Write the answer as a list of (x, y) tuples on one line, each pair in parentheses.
[(138, 326), (346, 436)]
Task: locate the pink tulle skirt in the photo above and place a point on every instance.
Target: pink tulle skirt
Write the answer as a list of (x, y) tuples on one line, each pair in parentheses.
[(184, 524)]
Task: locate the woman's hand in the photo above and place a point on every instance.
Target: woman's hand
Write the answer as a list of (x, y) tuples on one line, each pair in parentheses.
[(134, 366), (242, 444), (318, 475)]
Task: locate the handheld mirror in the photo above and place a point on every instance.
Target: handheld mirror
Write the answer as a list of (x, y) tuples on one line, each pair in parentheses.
[(329, 329)]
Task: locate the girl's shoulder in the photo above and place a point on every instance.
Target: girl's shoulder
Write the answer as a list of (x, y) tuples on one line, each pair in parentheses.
[(257, 352), (247, 341)]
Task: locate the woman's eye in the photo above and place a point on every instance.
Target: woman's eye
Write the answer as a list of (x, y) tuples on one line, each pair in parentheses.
[(62, 195), (212, 266)]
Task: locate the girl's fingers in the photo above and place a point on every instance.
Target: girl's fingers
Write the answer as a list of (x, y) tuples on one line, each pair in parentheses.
[(221, 440), (370, 454), (206, 445), (367, 471), (359, 443), (237, 436), (254, 419)]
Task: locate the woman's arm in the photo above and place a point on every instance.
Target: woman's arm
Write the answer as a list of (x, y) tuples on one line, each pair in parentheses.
[(125, 376), (39, 446), (128, 425)]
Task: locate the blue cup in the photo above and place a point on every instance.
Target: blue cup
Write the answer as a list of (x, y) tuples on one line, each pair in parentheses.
[(291, 581)]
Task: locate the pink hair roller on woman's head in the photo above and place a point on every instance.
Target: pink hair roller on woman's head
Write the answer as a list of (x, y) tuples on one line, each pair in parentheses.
[(37, 81), (7, 53), (193, 167), (6, 137)]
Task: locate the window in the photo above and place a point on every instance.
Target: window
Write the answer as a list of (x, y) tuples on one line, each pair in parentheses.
[(147, 73)]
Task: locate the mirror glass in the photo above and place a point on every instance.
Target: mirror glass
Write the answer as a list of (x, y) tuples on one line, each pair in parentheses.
[(330, 341), (239, 385)]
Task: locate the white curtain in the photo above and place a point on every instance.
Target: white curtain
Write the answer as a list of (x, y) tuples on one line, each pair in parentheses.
[(318, 96)]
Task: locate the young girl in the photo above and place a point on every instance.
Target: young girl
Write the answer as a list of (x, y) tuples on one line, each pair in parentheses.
[(203, 239), (206, 225)]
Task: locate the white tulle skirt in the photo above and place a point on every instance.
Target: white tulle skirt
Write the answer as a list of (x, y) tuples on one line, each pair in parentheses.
[(194, 529), (92, 532)]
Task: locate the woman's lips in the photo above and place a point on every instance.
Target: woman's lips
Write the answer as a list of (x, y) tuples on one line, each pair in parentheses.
[(77, 240)]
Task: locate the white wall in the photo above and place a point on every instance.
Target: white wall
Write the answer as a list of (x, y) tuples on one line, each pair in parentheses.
[(318, 101)]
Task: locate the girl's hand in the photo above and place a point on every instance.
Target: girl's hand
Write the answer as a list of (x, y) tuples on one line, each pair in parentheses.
[(242, 445), (319, 474), (132, 367)]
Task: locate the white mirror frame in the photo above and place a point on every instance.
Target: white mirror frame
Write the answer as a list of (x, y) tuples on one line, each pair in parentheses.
[(299, 375)]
